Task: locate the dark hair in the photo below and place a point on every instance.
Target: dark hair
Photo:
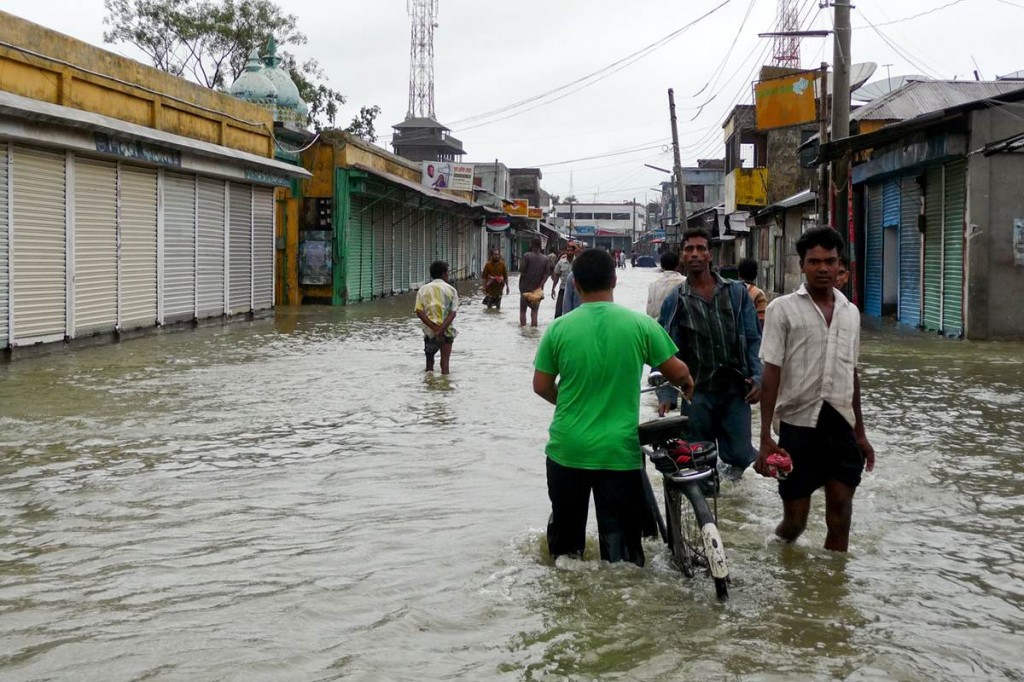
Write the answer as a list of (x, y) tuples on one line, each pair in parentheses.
[(825, 237), (844, 262), (694, 232), (747, 269), (535, 243), (437, 269), (669, 261), (594, 270)]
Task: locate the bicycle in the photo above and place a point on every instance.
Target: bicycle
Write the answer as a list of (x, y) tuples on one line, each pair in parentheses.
[(690, 530)]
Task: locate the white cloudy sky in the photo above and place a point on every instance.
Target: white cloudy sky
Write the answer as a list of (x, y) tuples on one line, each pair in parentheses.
[(490, 55)]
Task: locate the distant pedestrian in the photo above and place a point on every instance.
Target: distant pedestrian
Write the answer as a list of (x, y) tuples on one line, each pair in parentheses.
[(495, 277), (437, 303), (661, 288), (843, 275), (748, 273), (558, 277), (632, 258), (534, 270), (812, 393), (553, 258)]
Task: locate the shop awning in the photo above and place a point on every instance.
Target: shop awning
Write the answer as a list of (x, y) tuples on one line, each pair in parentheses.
[(68, 128), (417, 187)]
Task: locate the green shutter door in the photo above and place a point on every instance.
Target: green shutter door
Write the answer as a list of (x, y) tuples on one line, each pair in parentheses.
[(354, 252), (933, 251), (380, 220), (873, 253), (910, 252), (955, 188), (390, 215)]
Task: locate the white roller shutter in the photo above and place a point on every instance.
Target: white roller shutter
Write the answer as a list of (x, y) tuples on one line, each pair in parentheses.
[(138, 247), (5, 270), (179, 286), (37, 245), (95, 237), (210, 280), (240, 249), (263, 247)]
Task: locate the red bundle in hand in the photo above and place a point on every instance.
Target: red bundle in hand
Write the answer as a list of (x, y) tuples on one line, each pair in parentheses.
[(779, 465)]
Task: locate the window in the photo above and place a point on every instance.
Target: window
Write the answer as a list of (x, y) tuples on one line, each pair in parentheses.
[(622, 216), (695, 194), (602, 216), (584, 216), (566, 216)]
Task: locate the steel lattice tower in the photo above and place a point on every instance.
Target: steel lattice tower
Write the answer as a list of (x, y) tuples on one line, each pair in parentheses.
[(421, 58), (787, 48)]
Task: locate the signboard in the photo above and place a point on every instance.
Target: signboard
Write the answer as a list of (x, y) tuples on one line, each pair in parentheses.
[(519, 207), (583, 230), (536, 213), (1018, 241), (788, 101), (141, 151), (444, 175)]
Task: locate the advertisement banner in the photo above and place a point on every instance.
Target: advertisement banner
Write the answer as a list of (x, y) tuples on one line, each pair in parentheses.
[(788, 101), (519, 207), (444, 175), (535, 213)]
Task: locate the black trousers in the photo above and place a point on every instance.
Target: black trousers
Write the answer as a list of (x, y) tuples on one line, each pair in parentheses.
[(618, 500)]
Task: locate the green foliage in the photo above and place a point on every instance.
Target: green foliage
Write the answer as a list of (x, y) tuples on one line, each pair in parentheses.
[(209, 42)]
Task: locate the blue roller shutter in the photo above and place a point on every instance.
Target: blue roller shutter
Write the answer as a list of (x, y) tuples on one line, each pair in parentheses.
[(910, 252), (873, 264), (954, 195)]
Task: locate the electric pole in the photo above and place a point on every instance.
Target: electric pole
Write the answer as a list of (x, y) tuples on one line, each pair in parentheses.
[(678, 167), (841, 112), (823, 192)]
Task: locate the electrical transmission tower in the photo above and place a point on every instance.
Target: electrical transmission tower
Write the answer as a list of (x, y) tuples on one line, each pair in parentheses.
[(787, 47), (421, 58)]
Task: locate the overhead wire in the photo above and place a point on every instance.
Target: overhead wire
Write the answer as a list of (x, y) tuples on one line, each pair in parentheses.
[(913, 16), (584, 81)]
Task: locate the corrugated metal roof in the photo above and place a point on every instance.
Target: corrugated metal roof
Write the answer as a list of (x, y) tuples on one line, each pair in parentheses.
[(922, 97)]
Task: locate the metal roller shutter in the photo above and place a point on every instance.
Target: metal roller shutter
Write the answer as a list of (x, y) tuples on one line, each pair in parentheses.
[(441, 237), (910, 253), (210, 256), (240, 248), (37, 243), (137, 228), (95, 279), (418, 255), (5, 270), (179, 288), (356, 228), (873, 253), (366, 253), (379, 250), (406, 250), (263, 248), (390, 213), (954, 200), (933, 251)]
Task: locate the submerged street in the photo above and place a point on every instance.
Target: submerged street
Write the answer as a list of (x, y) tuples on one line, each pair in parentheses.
[(293, 499)]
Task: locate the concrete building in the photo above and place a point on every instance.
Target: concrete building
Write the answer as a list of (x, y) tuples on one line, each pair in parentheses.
[(607, 225), (939, 220), (130, 200)]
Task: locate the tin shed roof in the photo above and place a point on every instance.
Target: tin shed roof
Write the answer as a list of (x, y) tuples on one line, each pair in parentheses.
[(922, 97)]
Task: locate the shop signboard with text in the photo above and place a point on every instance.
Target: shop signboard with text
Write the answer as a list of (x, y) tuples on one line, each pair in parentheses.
[(444, 175)]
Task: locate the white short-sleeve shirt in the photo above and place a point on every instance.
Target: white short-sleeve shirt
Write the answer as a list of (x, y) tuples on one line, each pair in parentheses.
[(818, 360)]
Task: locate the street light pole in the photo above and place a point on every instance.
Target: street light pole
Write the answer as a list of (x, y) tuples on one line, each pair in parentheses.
[(678, 167)]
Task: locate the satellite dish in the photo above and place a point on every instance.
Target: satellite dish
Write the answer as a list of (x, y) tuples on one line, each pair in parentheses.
[(859, 75), (873, 91)]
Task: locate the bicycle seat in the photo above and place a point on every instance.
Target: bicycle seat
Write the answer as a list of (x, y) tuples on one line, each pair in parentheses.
[(661, 430)]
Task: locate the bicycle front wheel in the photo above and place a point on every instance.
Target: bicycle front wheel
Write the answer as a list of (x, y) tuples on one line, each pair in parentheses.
[(708, 546), (682, 529)]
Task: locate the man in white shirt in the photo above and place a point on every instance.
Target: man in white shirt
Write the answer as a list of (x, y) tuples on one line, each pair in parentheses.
[(811, 389), (560, 275), (437, 303), (664, 285)]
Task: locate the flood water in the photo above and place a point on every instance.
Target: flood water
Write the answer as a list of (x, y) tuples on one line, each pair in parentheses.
[(293, 499)]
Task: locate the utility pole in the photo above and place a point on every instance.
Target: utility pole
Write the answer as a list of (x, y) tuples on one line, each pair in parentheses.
[(632, 239), (823, 191), (678, 167), (841, 112)]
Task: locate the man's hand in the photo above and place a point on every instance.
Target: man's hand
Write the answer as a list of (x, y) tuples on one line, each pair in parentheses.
[(665, 408), (768, 447), (687, 385), (754, 396), (866, 451)]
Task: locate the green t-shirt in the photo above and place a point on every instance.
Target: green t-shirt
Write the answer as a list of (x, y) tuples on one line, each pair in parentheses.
[(599, 352)]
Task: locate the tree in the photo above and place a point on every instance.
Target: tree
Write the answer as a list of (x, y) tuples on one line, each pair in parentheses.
[(209, 42)]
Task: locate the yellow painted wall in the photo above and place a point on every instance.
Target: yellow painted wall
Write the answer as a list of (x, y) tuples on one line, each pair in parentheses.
[(751, 186), (52, 67)]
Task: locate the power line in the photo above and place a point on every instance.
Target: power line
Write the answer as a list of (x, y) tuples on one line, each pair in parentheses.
[(594, 77), (892, 45), (914, 16), (620, 152)]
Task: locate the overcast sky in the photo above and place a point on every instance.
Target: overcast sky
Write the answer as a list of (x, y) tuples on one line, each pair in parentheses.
[(490, 55)]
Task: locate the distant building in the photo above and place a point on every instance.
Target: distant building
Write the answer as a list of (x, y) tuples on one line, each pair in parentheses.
[(613, 226), (424, 139)]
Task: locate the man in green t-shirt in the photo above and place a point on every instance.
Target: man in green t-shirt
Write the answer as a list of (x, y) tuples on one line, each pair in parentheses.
[(598, 354)]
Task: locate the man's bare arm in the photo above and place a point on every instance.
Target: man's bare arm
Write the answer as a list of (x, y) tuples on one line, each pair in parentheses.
[(545, 386)]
